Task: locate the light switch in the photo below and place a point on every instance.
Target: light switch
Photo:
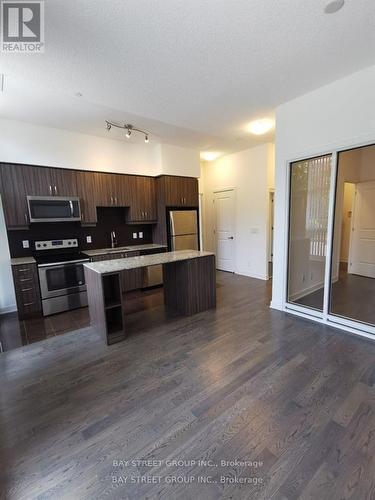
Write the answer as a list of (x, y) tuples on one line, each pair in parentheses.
[(25, 244), (88, 239), (135, 236), (140, 234)]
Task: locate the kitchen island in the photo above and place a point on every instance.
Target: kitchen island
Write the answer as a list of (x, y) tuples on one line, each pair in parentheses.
[(189, 287)]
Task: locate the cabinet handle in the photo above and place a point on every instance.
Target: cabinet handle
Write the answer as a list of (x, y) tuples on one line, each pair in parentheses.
[(116, 200), (25, 279), (29, 304), (55, 190), (82, 216), (26, 289), (23, 270), (50, 190), (26, 218), (111, 200)]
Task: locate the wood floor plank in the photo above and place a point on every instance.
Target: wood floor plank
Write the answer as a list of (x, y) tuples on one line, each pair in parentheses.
[(242, 382)]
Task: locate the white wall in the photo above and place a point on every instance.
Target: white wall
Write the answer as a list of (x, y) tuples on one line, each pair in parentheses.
[(250, 173), (338, 115), (35, 145), (176, 160)]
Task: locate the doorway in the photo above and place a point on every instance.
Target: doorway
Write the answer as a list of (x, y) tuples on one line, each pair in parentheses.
[(224, 210)]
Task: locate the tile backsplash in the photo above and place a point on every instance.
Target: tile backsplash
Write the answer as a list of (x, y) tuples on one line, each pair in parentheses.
[(109, 219)]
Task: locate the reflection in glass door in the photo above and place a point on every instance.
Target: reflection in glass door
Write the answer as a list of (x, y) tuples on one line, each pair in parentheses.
[(353, 260), (310, 182)]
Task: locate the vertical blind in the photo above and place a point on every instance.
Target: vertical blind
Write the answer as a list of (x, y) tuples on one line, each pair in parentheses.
[(318, 184)]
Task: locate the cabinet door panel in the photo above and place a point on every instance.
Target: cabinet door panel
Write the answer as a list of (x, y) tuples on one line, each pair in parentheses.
[(38, 181), (87, 192), (181, 191), (143, 200), (122, 187), (13, 194), (104, 194), (64, 182)]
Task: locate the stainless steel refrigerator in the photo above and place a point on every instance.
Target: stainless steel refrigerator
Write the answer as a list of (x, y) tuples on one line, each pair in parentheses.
[(183, 230)]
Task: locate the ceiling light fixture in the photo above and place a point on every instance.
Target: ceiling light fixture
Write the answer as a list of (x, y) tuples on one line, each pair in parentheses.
[(334, 6), (129, 129), (260, 127), (210, 155)]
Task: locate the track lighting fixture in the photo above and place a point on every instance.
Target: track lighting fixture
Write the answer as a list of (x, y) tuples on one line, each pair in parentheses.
[(129, 129)]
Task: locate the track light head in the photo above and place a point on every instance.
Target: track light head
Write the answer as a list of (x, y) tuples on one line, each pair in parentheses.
[(146, 139), (109, 126), (128, 133)]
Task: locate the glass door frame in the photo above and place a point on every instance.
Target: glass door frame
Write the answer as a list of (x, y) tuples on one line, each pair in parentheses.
[(324, 316)]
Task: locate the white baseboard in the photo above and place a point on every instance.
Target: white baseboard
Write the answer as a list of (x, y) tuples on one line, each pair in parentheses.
[(252, 275), (8, 309)]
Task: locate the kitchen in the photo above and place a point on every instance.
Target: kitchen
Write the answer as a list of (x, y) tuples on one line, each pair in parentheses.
[(59, 219)]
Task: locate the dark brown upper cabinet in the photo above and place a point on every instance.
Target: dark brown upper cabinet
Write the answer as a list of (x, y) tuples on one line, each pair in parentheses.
[(143, 200), (180, 191), (41, 181), (113, 190), (87, 190), (13, 193)]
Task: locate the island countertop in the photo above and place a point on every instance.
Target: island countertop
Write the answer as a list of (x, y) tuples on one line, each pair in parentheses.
[(128, 248), (118, 265)]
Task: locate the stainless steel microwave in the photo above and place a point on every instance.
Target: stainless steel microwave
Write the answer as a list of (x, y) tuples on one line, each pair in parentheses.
[(54, 208)]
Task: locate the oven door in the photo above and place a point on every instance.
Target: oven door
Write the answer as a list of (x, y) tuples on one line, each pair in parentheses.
[(61, 279)]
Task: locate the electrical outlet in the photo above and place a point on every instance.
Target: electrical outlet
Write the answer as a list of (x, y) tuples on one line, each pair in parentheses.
[(135, 236), (140, 234), (88, 239), (25, 244)]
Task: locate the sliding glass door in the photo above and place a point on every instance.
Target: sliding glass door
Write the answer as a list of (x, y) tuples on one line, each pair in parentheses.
[(353, 256), (331, 243), (310, 182)]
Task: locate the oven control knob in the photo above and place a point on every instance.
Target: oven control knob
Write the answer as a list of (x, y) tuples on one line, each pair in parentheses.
[(44, 244), (69, 242)]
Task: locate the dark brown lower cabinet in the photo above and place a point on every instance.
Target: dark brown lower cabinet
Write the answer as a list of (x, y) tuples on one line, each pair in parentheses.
[(26, 284)]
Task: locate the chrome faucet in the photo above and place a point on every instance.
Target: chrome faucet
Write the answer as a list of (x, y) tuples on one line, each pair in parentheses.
[(113, 239)]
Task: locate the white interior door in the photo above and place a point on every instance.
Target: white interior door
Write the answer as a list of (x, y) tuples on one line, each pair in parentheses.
[(362, 242), (224, 229)]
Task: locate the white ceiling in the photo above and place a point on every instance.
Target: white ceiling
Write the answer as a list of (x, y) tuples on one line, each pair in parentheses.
[(192, 72)]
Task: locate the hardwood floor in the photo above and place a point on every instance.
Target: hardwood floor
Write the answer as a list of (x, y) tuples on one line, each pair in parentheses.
[(242, 382), (15, 332)]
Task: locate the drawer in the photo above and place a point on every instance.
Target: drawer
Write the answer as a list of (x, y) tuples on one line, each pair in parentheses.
[(26, 285), (24, 271), (28, 301)]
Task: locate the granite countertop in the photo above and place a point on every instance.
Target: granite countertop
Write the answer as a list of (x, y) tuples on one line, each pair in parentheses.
[(117, 265), (129, 248), (22, 260)]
